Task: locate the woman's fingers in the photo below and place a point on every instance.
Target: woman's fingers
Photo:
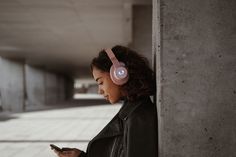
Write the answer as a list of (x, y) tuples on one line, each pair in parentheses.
[(63, 154), (67, 149), (68, 152)]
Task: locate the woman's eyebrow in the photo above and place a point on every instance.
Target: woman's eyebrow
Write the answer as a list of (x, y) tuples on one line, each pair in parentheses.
[(98, 79)]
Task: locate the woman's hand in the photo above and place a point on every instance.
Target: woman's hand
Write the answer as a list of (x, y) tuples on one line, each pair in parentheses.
[(68, 152)]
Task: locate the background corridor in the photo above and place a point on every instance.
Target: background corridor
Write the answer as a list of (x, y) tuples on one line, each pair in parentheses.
[(29, 134)]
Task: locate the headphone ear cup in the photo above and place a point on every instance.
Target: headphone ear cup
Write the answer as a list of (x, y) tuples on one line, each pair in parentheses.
[(116, 80)]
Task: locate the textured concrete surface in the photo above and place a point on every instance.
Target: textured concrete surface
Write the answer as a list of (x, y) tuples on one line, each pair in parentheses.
[(23, 87), (35, 87), (11, 85), (29, 134), (198, 88), (51, 85)]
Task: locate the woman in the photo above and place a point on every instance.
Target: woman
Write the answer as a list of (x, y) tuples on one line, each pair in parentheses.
[(123, 74)]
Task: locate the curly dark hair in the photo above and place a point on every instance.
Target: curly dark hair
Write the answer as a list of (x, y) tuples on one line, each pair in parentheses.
[(141, 77)]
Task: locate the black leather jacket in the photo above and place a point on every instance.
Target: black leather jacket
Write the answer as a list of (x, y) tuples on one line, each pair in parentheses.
[(131, 133)]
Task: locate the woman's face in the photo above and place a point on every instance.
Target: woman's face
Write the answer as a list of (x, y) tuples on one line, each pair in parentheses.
[(106, 87)]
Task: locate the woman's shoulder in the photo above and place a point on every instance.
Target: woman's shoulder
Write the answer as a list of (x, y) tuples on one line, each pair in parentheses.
[(141, 107), (145, 108)]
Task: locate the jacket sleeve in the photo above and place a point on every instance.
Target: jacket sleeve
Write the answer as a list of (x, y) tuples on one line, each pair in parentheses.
[(141, 136)]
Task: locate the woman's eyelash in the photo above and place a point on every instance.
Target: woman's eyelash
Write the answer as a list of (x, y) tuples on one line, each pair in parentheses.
[(100, 83)]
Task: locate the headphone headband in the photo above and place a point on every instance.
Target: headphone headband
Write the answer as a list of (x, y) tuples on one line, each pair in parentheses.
[(118, 72), (113, 58)]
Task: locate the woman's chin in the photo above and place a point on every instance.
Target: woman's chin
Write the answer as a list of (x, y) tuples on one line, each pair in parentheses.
[(113, 101)]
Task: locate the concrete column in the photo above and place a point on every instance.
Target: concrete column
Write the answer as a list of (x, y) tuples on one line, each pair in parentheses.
[(51, 88), (43, 88), (61, 88), (11, 85), (23, 87), (196, 68), (35, 87), (69, 88)]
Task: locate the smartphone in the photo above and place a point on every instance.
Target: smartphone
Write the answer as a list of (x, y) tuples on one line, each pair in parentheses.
[(55, 148)]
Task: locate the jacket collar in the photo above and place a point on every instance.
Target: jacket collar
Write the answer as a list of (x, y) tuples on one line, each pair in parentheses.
[(129, 106), (115, 126)]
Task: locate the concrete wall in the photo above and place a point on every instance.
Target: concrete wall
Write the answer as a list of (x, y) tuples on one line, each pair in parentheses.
[(196, 64), (51, 85), (61, 88), (24, 88), (142, 30), (35, 87), (56, 88), (43, 87), (11, 85), (69, 88)]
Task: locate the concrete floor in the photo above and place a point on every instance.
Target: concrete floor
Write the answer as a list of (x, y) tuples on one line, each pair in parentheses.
[(29, 134)]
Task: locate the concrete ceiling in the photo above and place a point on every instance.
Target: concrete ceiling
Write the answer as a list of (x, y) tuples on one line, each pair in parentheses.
[(63, 34)]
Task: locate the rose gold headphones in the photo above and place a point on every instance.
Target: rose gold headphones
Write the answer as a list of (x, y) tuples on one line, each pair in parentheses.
[(118, 71)]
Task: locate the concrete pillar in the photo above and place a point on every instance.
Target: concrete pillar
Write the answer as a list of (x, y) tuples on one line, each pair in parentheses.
[(11, 85), (43, 87), (23, 87), (35, 87), (56, 89), (51, 88), (69, 88), (61, 88), (196, 71)]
